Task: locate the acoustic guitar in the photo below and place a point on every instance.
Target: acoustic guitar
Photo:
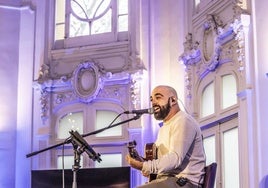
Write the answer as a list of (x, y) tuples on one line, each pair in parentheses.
[(150, 153)]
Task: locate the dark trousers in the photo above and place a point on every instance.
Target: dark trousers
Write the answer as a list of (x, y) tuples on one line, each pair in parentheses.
[(169, 182)]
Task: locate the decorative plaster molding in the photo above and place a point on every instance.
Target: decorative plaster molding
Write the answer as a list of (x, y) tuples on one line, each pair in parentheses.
[(87, 83), (211, 44), (23, 6), (240, 47), (44, 103), (192, 54), (205, 58), (43, 73), (214, 37), (135, 89)]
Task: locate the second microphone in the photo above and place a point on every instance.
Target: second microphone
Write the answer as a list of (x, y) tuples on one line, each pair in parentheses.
[(139, 112)]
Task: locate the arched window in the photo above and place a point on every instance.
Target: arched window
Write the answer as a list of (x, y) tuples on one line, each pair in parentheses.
[(219, 124), (217, 94), (207, 100), (103, 119), (70, 121), (229, 91), (87, 119), (97, 21)]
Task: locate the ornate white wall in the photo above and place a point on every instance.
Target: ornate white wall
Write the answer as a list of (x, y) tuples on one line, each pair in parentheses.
[(162, 34)]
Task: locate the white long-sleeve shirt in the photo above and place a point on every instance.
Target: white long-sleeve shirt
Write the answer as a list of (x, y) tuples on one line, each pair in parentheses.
[(180, 149)]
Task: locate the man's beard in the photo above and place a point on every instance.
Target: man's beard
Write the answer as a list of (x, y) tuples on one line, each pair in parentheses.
[(163, 112)]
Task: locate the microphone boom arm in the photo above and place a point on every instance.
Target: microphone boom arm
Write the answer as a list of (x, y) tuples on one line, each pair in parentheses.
[(68, 140)]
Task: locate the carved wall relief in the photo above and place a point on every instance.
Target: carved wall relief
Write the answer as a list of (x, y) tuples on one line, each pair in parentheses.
[(219, 44), (87, 83), (210, 46)]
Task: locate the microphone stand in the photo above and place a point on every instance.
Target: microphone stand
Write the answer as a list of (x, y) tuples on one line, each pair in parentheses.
[(79, 151), (137, 116), (76, 165)]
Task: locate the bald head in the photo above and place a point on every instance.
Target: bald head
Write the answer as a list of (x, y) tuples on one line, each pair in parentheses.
[(170, 91)]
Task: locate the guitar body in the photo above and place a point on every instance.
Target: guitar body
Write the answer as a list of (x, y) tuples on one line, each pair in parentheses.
[(150, 152)]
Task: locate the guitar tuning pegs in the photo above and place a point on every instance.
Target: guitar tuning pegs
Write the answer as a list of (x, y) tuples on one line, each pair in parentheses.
[(132, 144)]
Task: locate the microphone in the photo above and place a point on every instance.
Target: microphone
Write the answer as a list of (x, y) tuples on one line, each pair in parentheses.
[(140, 112), (84, 146)]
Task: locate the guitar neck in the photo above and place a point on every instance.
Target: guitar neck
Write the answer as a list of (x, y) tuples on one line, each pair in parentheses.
[(150, 154), (133, 152), (150, 151)]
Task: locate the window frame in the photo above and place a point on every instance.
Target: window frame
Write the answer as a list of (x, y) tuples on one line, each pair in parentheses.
[(96, 39), (217, 129), (218, 111), (107, 144), (221, 121)]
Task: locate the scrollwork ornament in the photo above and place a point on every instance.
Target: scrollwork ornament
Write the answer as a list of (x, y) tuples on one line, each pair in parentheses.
[(192, 53), (43, 73), (59, 98), (240, 43), (44, 105), (135, 89), (86, 82), (211, 45)]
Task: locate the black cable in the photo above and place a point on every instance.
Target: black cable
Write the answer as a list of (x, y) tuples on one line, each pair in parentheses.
[(115, 119)]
